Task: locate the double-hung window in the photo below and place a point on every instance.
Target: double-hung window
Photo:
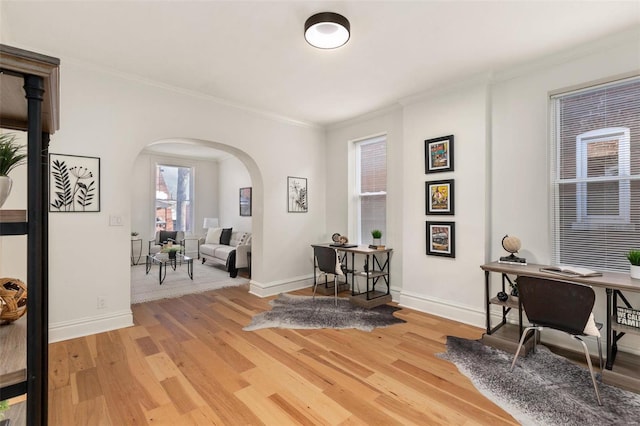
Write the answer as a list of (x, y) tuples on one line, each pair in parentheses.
[(371, 187), (174, 199), (595, 174)]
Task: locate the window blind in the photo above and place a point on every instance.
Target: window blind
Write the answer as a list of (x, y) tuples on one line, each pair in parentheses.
[(595, 175), (372, 187)]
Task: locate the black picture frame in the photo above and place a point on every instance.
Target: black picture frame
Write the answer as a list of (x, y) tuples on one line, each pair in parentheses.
[(440, 197), (245, 201), (297, 195), (441, 239), (74, 184), (438, 154)]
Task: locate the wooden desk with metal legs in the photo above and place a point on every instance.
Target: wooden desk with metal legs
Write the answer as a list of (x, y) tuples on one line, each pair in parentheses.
[(626, 373), (376, 270)]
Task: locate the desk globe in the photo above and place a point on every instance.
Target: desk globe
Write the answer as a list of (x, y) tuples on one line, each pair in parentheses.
[(512, 245), (13, 299)]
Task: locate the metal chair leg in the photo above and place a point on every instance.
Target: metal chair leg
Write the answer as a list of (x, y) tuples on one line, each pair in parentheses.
[(335, 287), (600, 353), (593, 377), (522, 339)]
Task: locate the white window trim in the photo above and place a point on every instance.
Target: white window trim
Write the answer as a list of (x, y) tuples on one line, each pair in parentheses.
[(621, 134), (357, 194)]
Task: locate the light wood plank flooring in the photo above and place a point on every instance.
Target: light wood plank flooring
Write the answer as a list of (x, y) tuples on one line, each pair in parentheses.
[(188, 362)]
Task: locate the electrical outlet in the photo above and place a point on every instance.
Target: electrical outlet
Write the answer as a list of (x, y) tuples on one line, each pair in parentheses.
[(102, 302)]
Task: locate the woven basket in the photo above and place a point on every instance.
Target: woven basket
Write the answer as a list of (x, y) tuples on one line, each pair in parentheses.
[(13, 299)]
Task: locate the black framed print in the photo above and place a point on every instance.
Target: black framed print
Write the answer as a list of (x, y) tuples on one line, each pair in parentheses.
[(438, 154), (297, 201), (441, 238), (74, 183), (440, 197), (245, 201)]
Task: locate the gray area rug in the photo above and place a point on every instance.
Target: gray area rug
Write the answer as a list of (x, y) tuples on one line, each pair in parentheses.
[(146, 287), (302, 312), (543, 389)]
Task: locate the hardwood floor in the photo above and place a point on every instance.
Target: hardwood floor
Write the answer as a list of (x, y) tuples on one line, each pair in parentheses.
[(187, 361)]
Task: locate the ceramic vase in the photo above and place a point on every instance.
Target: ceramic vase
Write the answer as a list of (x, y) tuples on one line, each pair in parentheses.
[(635, 272), (5, 188), (376, 241)]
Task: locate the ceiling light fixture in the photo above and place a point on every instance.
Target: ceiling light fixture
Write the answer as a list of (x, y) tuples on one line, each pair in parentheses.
[(327, 30)]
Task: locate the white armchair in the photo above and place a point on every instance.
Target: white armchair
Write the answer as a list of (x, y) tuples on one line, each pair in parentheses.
[(163, 237)]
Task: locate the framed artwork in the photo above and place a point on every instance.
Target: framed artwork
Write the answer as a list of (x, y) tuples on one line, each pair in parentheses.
[(245, 201), (438, 154), (74, 183), (439, 196), (297, 201), (441, 239)]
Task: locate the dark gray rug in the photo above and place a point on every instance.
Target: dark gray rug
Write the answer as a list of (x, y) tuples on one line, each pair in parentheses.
[(543, 389), (302, 312)]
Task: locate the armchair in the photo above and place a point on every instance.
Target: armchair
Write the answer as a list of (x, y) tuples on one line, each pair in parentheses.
[(163, 237)]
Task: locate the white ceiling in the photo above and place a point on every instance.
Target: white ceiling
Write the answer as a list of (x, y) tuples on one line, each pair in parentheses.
[(253, 53)]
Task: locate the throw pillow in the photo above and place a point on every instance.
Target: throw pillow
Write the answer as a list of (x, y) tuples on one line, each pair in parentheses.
[(225, 237), (591, 329), (167, 235), (213, 236)]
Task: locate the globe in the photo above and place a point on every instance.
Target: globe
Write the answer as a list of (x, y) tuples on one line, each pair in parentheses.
[(13, 299), (511, 244)]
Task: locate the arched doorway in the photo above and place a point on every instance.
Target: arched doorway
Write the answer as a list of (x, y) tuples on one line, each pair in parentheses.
[(215, 173)]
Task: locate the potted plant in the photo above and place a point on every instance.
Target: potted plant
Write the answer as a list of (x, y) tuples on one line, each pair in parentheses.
[(134, 234), (172, 250), (634, 258), (4, 406), (11, 155), (377, 235)]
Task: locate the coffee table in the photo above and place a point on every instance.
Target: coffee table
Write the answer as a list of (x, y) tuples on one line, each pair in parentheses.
[(164, 260)]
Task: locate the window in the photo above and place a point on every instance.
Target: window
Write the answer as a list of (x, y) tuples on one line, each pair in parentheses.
[(595, 164), (174, 210), (371, 188)]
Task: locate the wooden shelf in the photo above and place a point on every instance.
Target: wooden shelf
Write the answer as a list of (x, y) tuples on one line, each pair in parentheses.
[(13, 352), (511, 302), (621, 328), (372, 274), (13, 222)]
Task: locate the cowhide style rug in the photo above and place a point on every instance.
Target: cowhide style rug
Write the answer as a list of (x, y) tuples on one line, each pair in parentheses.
[(303, 312), (543, 389)]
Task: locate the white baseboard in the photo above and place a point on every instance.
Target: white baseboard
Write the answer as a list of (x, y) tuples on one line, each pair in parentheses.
[(65, 330), (283, 286), (443, 308)]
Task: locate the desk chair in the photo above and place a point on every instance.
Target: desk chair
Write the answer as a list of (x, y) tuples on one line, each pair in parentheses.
[(562, 306), (328, 262)]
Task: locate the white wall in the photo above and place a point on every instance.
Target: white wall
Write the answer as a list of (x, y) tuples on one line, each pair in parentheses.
[(450, 287), (114, 117), (233, 176)]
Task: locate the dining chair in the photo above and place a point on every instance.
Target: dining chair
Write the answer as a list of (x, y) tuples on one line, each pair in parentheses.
[(328, 262), (563, 306)]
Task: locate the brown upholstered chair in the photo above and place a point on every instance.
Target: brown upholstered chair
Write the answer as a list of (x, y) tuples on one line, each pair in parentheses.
[(562, 306)]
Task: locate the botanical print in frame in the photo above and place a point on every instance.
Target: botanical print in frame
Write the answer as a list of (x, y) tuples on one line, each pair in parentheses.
[(74, 183), (440, 197), (438, 154), (245, 201), (441, 238), (297, 201)]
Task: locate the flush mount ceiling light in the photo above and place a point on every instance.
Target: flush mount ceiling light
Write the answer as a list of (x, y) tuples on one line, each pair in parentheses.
[(327, 30)]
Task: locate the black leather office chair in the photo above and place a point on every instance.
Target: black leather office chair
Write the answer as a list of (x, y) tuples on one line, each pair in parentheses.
[(562, 306), (327, 260)]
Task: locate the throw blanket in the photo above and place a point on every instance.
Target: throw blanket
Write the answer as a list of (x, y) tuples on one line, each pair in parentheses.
[(231, 264)]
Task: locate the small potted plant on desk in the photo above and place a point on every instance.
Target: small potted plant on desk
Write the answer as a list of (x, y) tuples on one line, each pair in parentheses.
[(377, 235), (634, 258), (134, 235)]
